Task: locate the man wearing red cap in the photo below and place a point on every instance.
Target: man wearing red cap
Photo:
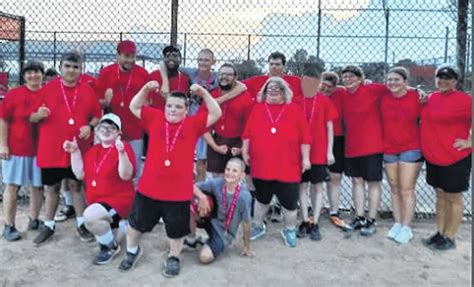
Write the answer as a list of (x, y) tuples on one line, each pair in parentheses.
[(115, 88)]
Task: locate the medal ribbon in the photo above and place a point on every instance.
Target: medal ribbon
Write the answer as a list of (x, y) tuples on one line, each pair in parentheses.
[(231, 210)]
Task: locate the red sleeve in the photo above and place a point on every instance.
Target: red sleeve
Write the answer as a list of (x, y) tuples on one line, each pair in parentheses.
[(101, 84), (248, 106), (147, 116), (7, 106), (378, 88), (40, 100), (305, 133), (131, 156), (249, 125), (330, 110), (200, 122)]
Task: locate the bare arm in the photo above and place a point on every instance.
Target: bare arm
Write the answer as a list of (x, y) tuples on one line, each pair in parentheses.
[(4, 150), (306, 164), (246, 233), (77, 163), (139, 99), (234, 92), (42, 113), (330, 155), (215, 111), (125, 167), (245, 151), (165, 84)]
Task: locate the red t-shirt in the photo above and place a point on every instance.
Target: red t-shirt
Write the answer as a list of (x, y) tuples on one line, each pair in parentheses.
[(276, 156), (110, 188), (400, 118), (445, 118), (255, 84), (337, 98), (88, 79), (55, 129), (234, 114), (178, 83), (363, 121), (22, 134), (175, 182), (125, 86), (324, 111)]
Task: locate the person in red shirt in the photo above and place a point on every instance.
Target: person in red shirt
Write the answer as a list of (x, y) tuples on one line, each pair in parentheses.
[(276, 143), (176, 80), (445, 135), (402, 155), (65, 109), (166, 187), (109, 163), (115, 88), (328, 86), (224, 140), (18, 150), (363, 144), (320, 114)]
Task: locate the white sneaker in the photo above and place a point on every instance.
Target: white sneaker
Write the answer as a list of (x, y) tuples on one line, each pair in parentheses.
[(404, 235), (392, 233)]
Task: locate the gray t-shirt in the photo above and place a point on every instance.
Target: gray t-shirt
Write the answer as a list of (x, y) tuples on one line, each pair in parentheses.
[(241, 211)]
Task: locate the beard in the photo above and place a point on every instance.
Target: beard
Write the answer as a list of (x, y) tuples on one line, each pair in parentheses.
[(226, 87)]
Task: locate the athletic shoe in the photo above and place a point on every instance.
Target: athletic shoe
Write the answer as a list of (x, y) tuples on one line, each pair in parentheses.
[(106, 253), (10, 233), (304, 229), (130, 260), (356, 224), (44, 235), (276, 215), (191, 244), (315, 234), (392, 233), (289, 237), (404, 235), (257, 231), (84, 234), (337, 221), (444, 244), (369, 228), (171, 267), (65, 213), (34, 224), (433, 239)]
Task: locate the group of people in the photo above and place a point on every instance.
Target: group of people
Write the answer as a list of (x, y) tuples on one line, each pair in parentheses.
[(219, 151)]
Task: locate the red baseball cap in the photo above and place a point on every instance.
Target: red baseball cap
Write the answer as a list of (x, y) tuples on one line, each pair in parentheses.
[(127, 47)]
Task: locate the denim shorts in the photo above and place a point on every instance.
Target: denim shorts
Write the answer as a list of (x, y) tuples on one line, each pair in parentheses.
[(413, 155)]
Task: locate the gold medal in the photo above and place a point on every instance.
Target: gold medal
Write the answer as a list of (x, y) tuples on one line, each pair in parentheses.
[(94, 183), (273, 130), (122, 104), (71, 122), (167, 163)]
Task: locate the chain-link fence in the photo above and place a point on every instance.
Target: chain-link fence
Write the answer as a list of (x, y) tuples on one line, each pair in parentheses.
[(375, 34)]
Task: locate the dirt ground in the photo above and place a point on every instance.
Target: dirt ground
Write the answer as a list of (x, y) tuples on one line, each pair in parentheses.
[(337, 260)]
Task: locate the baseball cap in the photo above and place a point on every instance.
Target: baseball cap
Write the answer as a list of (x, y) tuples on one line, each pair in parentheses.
[(447, 71), (127, 47), (112, 118)]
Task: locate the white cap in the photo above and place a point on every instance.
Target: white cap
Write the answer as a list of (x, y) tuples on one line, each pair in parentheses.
[(113, 118)]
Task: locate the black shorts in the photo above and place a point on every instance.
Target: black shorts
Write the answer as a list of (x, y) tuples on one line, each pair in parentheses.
[(286, 192), (368, 167), (317, 174), (147, 212), (115, 218), (452, 178), (215, 161), (338, 151), (52, 176)]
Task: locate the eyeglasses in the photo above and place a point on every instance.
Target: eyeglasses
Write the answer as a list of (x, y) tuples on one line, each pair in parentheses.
[(226, 74), (274, 89), (68, 66)]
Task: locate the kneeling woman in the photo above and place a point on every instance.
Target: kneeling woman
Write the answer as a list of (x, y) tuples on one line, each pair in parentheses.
[(107, 170)]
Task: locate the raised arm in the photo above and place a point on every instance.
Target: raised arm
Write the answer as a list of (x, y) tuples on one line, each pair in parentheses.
[(234, 92), (77, 163), (212, 106), (139, 99), (125, 167)]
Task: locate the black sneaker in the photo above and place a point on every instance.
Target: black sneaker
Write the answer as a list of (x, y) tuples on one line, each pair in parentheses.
[(276, 215), (356, 224), (191, 244), (65, 213), (106, 253), (369, 228), (44, 235), (10, 233), (130, 260), (444, 244), (34, 224), (171, 267), (433, 239), (84, 234), (303, 230), (315, 234)]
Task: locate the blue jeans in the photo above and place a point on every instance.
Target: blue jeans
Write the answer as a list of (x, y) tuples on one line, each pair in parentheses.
[(406, 156)]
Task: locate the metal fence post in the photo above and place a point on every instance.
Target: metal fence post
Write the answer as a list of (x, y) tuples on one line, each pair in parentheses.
[(22, 49), (174, 22), (249, 42), (318, 36), (184, 48), (387, 30), (446, 42), (54, 49), (461, 35)]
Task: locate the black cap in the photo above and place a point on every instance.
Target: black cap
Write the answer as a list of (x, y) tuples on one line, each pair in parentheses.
[(170, 49), (447, 72)]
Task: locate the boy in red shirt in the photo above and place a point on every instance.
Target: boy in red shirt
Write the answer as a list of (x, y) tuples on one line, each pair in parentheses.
[(65, 109), (166, 187)]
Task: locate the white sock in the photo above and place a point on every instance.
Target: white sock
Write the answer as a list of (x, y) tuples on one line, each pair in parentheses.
[(67, 197), (50, 224), (133, 249), (79, 220), (332, 212), (107, 238)]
